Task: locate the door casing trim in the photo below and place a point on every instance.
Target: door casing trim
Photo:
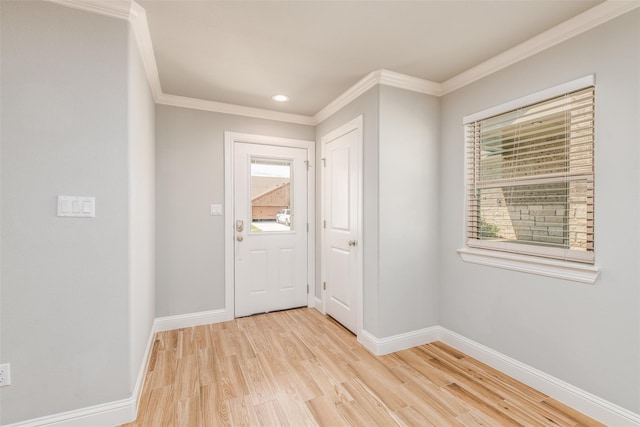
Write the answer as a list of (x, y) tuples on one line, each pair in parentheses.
[(231, 138), (356, 125)]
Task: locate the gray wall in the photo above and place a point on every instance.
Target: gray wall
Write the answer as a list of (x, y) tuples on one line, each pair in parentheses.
[(142, 226), (408, 230), (366, 105), (400, 168), (189, 178), (77, 118), (65, 294), (587, 335)]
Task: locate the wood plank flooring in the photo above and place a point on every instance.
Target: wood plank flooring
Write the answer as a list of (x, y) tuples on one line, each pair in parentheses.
[(300, 368)]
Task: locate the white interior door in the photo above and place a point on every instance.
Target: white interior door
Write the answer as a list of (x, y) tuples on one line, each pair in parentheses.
[(270, 223), (341, 248)]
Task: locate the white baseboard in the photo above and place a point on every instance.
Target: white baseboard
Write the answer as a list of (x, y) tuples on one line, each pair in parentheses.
[(318, 305), (107, 414), (585, 402), (381, 346), (142, 372), (188, 320), (125, 410)]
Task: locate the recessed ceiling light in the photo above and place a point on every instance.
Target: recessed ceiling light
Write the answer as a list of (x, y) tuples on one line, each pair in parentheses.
[(280, 98)]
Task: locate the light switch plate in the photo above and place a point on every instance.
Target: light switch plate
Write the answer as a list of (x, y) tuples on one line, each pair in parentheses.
[(77, 206), (216, 209)]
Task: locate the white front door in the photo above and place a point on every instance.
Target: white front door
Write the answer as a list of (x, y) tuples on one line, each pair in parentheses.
[(341, 246), (270, 226)]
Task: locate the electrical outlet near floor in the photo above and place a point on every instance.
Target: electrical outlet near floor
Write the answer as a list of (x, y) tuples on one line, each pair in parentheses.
[(5, 375)]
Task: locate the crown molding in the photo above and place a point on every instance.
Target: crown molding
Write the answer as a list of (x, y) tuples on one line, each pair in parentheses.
[(363, 85), (414, 84), (135, 14), (238, 110), (382, 77), (131, 11), (577, 25), (114, 8), (140, 27)]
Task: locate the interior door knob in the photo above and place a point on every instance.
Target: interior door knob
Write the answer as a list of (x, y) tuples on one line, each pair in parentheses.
[(239, 238), (352, 243)]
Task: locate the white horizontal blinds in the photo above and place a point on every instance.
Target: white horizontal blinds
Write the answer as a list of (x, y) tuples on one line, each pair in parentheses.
[(530, 187), (472, 134)]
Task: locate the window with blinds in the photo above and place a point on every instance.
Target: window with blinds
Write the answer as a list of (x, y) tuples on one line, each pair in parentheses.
[(531, 179)]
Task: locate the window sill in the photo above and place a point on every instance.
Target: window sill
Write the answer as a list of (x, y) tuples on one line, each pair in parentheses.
[(573, 271)]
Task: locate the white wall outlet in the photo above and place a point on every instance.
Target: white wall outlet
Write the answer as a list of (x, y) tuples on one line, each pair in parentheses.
[(5, 374)]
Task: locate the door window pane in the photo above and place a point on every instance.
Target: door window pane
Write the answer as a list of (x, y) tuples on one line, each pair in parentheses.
[(271, 208)]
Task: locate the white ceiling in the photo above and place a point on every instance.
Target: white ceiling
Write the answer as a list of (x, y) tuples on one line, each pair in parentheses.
[(242, 52)]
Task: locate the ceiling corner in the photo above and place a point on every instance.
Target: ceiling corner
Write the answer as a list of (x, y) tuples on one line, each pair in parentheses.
[(140, 27), (383, 77), (238, 110), (134, 13), (363, 85), (120, 9), (415, 84), (579, 24)]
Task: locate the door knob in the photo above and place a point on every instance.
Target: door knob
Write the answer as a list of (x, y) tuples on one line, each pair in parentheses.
[(352, 243), (239, 238)]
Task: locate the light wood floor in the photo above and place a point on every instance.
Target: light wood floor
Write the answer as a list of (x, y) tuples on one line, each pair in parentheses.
[(298, 367)]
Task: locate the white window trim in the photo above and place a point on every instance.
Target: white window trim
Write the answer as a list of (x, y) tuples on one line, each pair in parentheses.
[(574, 271), (533, 98)]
